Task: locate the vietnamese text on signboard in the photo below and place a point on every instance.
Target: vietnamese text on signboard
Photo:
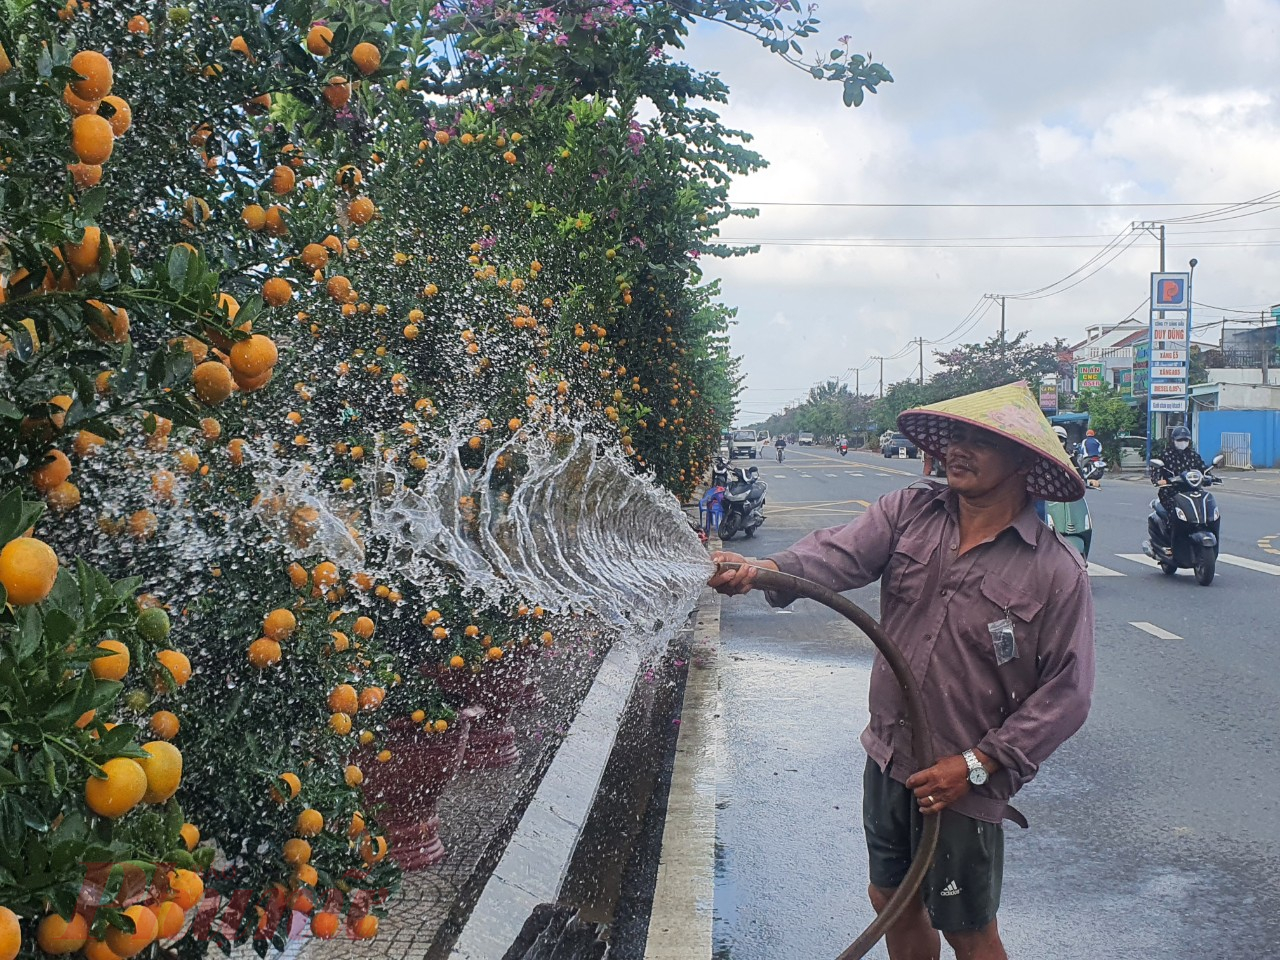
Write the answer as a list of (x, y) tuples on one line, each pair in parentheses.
[(1168, 405), (1049, 397), (1088, 375), (1126, 383), (1168, 388)]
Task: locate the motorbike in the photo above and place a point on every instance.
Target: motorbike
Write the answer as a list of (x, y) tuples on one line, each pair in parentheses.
[(1187, 538), (1091, 469), (1072, 520), (711, 506), (844, 449), (743, 503)]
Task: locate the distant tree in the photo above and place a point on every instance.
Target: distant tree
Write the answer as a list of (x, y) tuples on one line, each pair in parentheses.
[(902, 395), (1110, 416), (981, 366)]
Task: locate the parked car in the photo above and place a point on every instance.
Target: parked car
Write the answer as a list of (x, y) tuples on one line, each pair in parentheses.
[(743, 444), (900, 447), (806, 440)]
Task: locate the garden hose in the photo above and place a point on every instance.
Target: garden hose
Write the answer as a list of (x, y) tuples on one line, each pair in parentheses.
[(921, 740)]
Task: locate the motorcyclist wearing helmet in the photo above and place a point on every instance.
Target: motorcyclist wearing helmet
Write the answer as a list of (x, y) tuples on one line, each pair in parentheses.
[(1067, 445), (1092, 445), (1179, 456)]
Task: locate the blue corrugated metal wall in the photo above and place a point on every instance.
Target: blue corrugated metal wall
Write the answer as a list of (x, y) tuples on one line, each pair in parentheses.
[(1263, 425)]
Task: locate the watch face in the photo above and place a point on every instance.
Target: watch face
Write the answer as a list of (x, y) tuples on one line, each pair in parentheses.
[(978, 777)]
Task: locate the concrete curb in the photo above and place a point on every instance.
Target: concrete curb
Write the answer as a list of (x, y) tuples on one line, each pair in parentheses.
[(680, 924), (534, 864)]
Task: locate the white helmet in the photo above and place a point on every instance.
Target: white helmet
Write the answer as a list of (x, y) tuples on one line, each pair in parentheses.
[(1061, 432)]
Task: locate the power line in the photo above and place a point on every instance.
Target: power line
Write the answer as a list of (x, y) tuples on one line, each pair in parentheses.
[(982, 206)]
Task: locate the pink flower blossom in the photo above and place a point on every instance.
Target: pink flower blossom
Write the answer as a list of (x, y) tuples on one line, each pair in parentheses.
[(562, 40)]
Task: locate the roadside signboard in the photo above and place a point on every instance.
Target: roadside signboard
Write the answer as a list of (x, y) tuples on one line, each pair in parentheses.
[(1141, 361), (1170, 355), (1168, 388), (1170, 291), (1168, 405), (1088, 375), (1126, 383), (1049, 397), (1170, 331), (1168, 371)]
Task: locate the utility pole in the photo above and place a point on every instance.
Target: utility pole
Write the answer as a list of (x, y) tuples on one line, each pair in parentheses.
[(857, 391), (1001, 298), (881, 359), (920, 343)]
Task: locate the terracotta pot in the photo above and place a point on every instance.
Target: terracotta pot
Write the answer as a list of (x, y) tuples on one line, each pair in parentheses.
[(404, 790), (500, 688)]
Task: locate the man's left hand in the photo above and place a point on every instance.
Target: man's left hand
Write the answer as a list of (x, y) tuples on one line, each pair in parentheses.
[(941, 785)]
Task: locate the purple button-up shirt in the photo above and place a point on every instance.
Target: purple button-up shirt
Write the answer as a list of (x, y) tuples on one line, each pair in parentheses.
[(937, 605)]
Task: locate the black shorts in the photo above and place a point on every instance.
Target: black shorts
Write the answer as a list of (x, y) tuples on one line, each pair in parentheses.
[(961, 890)]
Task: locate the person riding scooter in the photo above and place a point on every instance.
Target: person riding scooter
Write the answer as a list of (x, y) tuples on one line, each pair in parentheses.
[(843, 446), (1179, 456), (1091, 454)]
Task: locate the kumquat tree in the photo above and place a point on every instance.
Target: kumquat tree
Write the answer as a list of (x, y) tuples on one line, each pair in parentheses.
[(262, 267)]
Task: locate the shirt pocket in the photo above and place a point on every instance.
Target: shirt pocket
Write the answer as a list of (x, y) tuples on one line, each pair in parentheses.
[(1005, 600), (909, 568)]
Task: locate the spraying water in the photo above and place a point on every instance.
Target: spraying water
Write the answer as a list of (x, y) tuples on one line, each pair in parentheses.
[(564, 521)]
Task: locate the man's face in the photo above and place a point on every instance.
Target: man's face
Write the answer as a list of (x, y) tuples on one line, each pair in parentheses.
[(980, 462)]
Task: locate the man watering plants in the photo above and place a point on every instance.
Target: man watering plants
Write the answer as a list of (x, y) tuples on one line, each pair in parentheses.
[(993, 613)]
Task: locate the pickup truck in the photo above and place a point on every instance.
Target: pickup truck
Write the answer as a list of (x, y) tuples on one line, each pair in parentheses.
[(743, 444), (805, 440)]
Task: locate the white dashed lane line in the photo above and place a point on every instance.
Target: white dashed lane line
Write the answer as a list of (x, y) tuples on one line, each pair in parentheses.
[(1098, 570), (1248, 564), (1146, 561), (1157, 632)]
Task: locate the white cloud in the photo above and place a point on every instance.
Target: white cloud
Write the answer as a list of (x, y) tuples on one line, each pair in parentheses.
[(995, 102)]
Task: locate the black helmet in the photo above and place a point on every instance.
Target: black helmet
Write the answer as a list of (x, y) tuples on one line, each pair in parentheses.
[(1179, 433)]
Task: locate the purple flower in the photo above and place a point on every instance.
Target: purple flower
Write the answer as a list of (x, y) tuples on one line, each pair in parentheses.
[(546, 17), (551, 168), (694, 254), (488, 242), (490, 106), (562, 40)]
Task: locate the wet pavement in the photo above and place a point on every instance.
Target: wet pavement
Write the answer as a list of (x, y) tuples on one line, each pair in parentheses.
[(1155, 832)]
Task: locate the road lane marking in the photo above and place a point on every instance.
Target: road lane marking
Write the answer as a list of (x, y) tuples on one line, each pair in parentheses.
[(1248, 564), (779, 476), (812, 505), (1155, 631), (850, 473), (1147, 561), (807, 476), (833, 474), (884, 474), (1139, 558), (1268, 544), (1098, 570)]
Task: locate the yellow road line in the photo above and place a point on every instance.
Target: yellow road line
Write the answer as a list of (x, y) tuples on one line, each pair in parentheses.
[(1268, 544)]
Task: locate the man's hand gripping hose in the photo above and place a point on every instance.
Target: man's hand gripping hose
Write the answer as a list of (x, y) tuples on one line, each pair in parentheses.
[(921, 740)]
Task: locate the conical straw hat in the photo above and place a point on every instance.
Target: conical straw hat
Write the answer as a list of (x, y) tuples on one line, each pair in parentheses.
[(1012, 412)]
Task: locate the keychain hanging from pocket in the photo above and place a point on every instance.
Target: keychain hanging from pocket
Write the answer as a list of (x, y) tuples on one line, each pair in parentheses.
[(1003, 640)]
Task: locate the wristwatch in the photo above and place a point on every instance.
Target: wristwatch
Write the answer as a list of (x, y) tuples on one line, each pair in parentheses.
[(977, 772)]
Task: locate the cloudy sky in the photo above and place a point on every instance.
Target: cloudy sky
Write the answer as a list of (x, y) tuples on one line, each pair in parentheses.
[(1156, 103)]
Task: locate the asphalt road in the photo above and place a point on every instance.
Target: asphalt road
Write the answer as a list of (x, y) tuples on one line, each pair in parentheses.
[(1155, 832)]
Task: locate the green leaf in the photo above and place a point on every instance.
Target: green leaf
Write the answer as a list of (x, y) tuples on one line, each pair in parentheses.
[(92, 203)]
